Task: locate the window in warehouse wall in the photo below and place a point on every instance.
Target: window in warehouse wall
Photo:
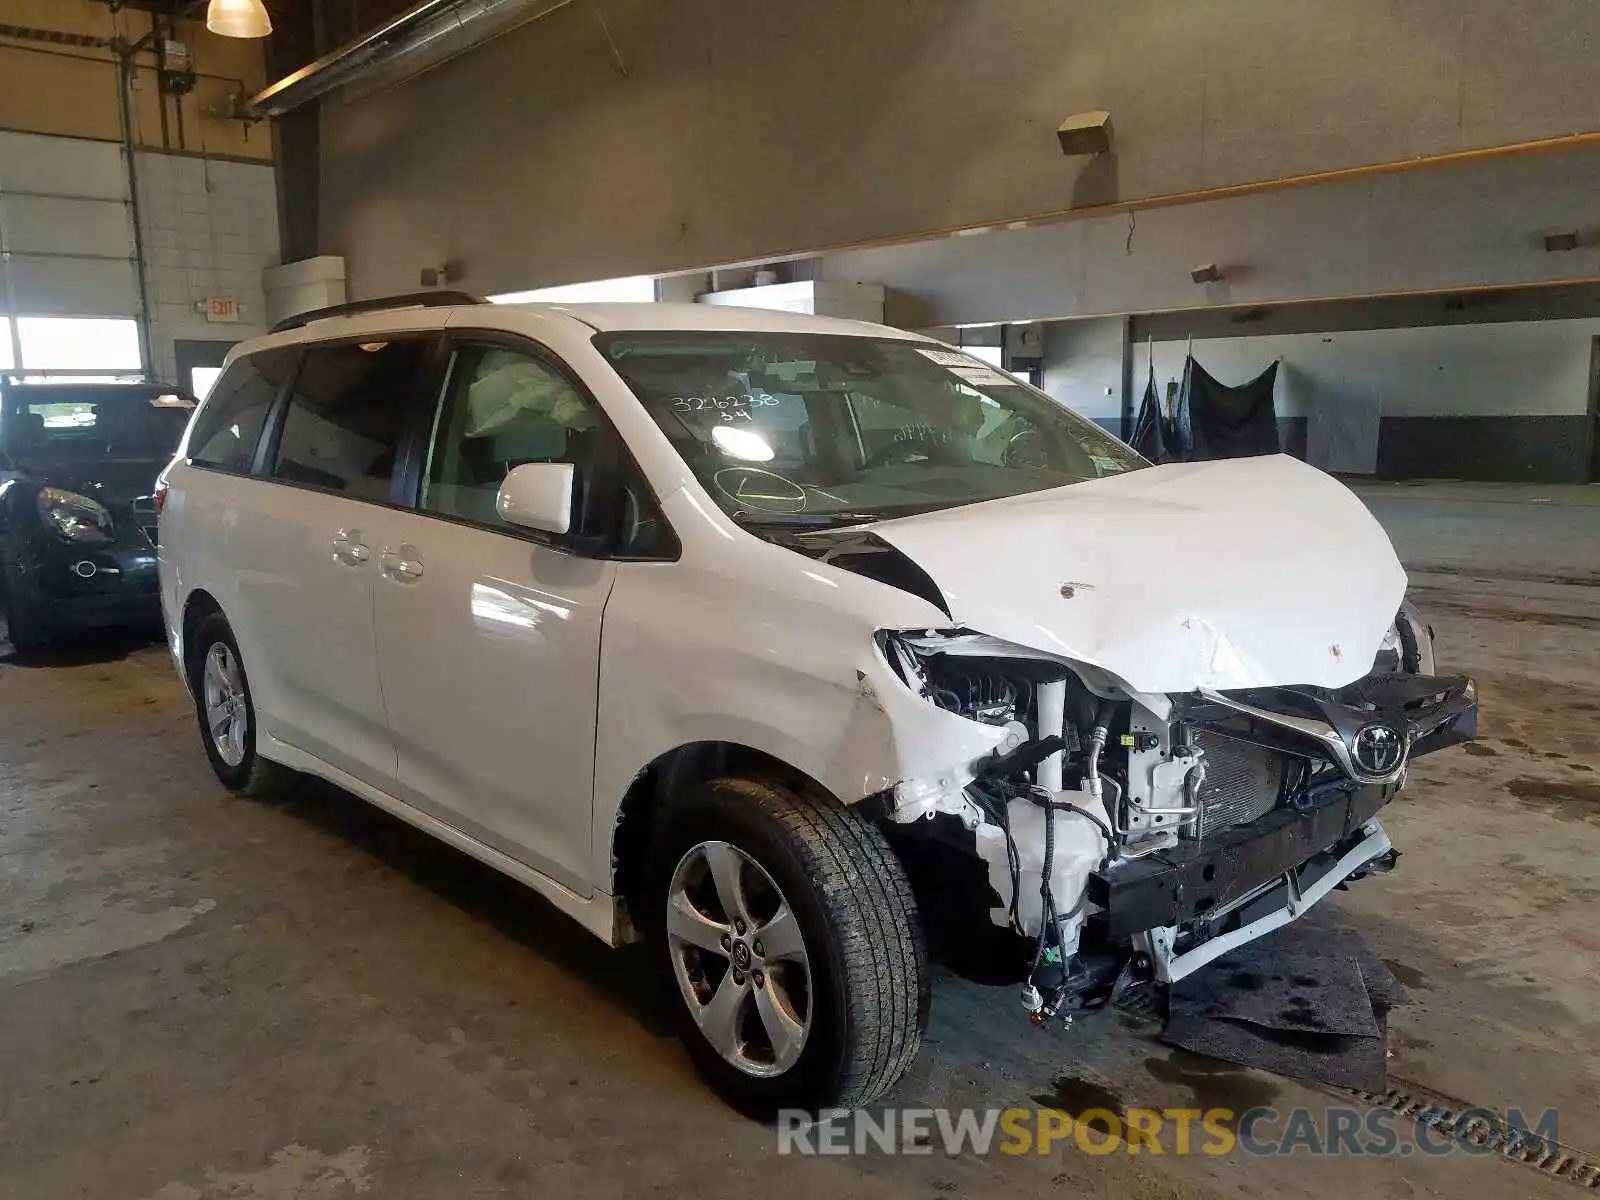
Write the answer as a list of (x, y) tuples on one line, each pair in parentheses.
[(631, 289), (78, 377), (995, 357), (8, 345), (60, 345), (201, 380)]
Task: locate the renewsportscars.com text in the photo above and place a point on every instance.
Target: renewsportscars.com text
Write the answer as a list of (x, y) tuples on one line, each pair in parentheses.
[(1333, 1131)]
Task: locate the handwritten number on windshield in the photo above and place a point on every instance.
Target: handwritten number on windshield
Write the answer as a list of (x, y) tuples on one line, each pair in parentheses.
[(722, 403)]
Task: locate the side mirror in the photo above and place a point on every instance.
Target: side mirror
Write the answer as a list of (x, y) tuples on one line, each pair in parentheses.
[(537, 496)]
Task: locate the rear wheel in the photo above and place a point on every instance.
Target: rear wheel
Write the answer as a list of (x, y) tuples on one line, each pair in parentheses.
[(226, 713), (789, 934)]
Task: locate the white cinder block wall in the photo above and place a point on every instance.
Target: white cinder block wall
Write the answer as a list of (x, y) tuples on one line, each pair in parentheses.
[(210, 228)]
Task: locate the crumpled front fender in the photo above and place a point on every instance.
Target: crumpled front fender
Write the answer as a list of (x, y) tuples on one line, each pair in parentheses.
[(896, 735)]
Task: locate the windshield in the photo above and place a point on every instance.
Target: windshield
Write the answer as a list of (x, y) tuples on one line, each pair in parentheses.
[(822, 428), (83, 422)]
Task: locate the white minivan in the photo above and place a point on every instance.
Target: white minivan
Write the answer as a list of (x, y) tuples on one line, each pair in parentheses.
[(807, 650)]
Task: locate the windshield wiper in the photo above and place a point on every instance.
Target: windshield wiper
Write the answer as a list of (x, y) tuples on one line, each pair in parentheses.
[(803, 520)]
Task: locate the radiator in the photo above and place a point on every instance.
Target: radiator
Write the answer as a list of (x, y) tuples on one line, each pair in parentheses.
[(1242, 782)]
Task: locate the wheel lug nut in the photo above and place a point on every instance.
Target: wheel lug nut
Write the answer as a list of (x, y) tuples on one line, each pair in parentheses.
[(738, 927), (758, 977), (738, 978), (727, 942), (757, 948)]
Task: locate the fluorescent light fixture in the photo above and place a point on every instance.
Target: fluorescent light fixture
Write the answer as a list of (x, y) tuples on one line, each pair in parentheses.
[(744, 444), (238, 18)]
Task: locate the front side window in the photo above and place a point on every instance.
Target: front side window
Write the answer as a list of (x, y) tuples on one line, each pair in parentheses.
[(827, 429), (229, 423), (506, 407), (346, 416)]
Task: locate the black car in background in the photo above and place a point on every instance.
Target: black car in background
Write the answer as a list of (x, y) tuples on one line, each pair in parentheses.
[(78, 465)]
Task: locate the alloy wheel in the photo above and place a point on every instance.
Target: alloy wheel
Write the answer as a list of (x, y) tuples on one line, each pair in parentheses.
[(739, 959), (227, 710)]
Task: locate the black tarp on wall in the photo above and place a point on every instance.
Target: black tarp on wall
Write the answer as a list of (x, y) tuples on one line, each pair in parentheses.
[(1153, 435), (1217, 421)]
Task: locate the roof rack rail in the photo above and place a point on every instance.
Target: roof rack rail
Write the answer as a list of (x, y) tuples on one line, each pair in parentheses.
[(434, 299)]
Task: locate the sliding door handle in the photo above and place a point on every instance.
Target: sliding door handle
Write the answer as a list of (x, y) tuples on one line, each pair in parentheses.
[(349, 549), (402, 565)]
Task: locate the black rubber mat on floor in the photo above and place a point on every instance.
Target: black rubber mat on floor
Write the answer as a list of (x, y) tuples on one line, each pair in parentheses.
[(1303, 1002)]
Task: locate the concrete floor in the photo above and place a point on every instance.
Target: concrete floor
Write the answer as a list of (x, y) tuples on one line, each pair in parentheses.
[(202, 997)]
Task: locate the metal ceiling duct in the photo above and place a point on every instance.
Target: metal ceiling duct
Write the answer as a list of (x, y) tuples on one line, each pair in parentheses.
[(423, 36)]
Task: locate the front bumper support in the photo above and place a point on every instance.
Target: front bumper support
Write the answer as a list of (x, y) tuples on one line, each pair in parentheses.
[(1279, 902), (1200, 880)]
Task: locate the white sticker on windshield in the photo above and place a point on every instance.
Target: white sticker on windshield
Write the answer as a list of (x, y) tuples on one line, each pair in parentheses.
[(947, 358), (982, 376)]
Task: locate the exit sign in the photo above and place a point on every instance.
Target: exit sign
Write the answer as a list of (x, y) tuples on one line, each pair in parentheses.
[(221, 308)]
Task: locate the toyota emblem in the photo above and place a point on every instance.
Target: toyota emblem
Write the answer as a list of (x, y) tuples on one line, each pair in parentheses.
[(1378, 749)]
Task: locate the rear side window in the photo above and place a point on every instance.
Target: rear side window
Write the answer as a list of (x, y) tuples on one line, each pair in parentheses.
[(346, 416), (229, 424)]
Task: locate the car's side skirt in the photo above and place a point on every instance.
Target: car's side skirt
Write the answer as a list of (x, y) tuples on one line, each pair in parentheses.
[(596, 913)]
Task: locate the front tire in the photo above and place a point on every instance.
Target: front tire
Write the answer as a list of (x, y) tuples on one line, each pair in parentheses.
[(27, 622), (790, 939), (226, 712)]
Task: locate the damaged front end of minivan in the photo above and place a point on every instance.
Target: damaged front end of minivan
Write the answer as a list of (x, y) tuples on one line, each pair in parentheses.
[(1110, 828)]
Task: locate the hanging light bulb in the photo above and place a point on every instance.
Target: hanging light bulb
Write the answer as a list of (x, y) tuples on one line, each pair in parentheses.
[(238, 18)]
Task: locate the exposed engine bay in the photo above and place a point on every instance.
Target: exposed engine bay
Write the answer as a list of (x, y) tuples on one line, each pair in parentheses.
[(1123, 831)]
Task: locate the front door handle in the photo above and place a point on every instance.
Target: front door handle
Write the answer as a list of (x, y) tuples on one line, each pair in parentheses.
[(402, 565), (349, 549)]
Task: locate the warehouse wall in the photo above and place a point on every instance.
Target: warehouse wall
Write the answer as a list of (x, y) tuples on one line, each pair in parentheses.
[(70, 89), (1505, 401), (1083, 367), (211, 228), (1475, 224), (207, 191), (764, 128)]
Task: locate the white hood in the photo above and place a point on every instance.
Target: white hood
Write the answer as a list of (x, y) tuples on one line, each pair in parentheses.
[(1245, 573)]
